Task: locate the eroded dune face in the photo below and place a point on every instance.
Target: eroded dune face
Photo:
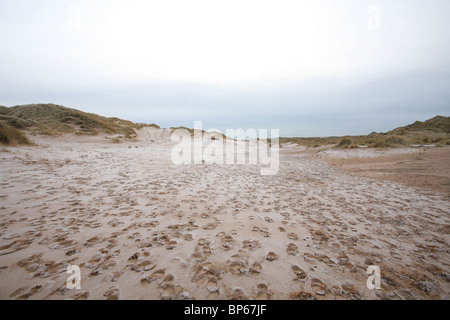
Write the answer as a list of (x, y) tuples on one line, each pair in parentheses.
[(140, 227)]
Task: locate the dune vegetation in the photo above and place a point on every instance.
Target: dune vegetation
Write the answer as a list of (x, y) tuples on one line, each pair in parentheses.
[(11, 136), (54, 120), (434, 131)]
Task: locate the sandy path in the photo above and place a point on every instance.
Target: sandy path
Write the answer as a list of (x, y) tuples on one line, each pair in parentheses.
[(140, 227), (427, 169)]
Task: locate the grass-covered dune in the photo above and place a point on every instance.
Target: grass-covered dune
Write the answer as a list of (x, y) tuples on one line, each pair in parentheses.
[(50, 119), (11, 135), (433, 131)]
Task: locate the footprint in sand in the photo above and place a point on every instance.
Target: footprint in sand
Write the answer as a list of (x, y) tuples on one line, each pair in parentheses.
[(302, 296), (204, 245), (24, 296), (17, 292), (269, 220), (325, 259), (237, 294), (318, 287), (262, 292), (255, 268), (256, 229), (36, 289), (144, 265), (292, 249), (293, 236), (93, 241), (227, 242), (203, 242), (32, 263), (112, 293), (181, 294), (168, 279), (206, 271), (112, 277), (112, 242), (115, 223), (238, 266), (82, 296), (64, 244), (71, 252), (308, 257), (320, 236), (350, 291), (15, 246), (168, 292), (97, 257), (206, 249), (52, 268), (134, 257), (300, 274), (265, 232), (198, 257), (212, 285), (158, 274), (172, 244), (209, 226), (251, 244), (271, 256), (168, 289)]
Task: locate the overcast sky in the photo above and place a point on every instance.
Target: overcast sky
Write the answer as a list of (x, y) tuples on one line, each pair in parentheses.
[(308, 68)]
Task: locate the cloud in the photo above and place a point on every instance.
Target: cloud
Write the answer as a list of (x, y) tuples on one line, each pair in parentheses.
[(309, 68)]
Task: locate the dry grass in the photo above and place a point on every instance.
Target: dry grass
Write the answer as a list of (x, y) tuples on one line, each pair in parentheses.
[(371, 141), (4, 110), (345, 143), (433, 131), (11, 136), (50, 119)]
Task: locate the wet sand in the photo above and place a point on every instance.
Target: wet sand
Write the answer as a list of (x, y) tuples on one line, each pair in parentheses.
[(140, 227), (423, 168)]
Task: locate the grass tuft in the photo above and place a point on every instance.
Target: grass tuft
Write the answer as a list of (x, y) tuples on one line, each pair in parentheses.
[(344, 143), (11, 136)]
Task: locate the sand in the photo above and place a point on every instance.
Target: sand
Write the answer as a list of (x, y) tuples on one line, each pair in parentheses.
[(424, 168), (140, 227)]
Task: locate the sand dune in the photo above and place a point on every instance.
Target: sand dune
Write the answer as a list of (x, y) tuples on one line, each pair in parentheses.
[(140, 227)]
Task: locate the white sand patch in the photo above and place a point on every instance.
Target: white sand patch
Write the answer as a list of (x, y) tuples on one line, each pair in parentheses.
[(364, 152)]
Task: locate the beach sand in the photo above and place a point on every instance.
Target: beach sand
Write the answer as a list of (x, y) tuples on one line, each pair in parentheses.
[(140, 227)]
